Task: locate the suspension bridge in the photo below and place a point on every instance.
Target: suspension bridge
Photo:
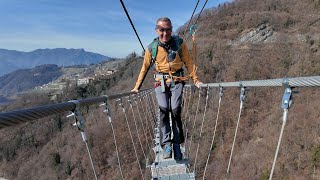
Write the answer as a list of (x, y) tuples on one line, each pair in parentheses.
[(146, 120), (145, 116)]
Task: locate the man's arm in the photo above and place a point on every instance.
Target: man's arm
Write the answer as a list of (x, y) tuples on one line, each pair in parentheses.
[(144, 70), (190, 64)]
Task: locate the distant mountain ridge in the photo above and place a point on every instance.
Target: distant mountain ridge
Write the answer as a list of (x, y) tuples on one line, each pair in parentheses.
[(11, 60), (26, 79)]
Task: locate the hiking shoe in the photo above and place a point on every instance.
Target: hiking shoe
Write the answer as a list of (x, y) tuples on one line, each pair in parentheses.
[(167, 151), (177, 152)]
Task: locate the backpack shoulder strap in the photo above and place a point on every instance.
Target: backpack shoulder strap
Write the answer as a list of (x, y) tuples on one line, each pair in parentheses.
[(178, 42), (153, 48)]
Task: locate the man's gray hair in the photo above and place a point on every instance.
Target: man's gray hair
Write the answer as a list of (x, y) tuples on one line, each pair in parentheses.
[(164, 19)]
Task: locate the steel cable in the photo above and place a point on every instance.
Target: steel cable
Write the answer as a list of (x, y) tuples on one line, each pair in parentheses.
[(183, 146), (234, 138), (312, 81), (94, 171), (152, 106), (151, 111), (107, 110), (134, 147), (148, 114), (143, 127), (135, 124), (194, 122), (145, 116), (285, 114), (213, 136), (125, 10), (188, 106), (198, 16), (194, 10), (200, 135)]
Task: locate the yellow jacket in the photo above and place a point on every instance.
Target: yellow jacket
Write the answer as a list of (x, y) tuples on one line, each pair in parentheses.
[(163, 65)]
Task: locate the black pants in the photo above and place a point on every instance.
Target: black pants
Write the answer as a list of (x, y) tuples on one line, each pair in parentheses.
[(170, 100)]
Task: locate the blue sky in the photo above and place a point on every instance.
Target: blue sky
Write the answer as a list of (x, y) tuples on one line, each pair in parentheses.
[(99, 26)]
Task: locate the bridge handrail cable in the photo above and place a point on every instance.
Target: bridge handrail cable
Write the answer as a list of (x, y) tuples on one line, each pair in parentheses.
[(293, 82), (26, 115)]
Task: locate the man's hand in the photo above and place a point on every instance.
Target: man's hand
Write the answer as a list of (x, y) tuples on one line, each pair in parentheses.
[(134, 90), (198, 84)]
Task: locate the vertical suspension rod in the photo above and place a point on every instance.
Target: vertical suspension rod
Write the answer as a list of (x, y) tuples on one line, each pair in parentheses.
[(194, 121), (286, 104), (134, 147), (136, 126), (107, 110), (143, 127), (214, 132), (200, 135), (80, 123), (242, 98)]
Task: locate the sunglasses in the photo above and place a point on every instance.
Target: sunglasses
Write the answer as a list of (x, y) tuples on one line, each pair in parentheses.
[(164, 29)]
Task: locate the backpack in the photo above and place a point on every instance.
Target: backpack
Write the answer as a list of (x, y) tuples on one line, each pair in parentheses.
[(153, 47)]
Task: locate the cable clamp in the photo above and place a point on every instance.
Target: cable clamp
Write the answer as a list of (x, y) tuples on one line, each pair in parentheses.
[(121, 104), (200, 91), (242, 92), (129, 99), (192, 30), (287, 95), (220, 91), (80, 121), (208, 88)]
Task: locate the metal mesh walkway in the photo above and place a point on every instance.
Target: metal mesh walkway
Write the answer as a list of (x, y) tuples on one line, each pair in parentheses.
[(168, 169), (161, 168)]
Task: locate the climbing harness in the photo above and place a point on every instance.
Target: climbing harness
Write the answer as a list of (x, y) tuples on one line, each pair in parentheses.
[(166, 81)]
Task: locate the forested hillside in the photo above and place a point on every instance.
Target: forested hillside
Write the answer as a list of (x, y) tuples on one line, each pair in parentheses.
[(11, 60), (242, 40)]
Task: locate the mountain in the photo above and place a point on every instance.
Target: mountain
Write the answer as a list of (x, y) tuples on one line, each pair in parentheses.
[(243, 40), (23, 80), (26, 79), (11, 60)]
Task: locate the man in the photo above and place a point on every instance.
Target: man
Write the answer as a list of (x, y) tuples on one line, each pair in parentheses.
[(168, 53)]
